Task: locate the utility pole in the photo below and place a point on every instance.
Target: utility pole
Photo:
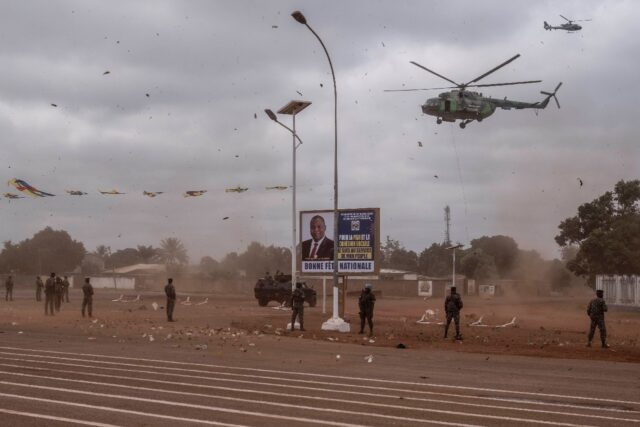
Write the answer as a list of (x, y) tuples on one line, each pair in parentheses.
[(447, 225)]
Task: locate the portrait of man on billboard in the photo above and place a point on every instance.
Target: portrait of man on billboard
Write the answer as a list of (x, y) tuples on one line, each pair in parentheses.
[(319, 247)]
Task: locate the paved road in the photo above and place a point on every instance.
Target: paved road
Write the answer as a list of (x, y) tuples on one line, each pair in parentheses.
[(57, 382)]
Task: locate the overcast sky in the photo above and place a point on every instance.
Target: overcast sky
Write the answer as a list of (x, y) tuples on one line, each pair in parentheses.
[(209, 66)]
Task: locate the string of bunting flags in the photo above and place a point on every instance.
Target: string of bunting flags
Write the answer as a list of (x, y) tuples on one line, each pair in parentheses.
[(25, 188)]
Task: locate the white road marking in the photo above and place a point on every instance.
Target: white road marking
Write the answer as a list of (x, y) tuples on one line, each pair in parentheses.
[(499, 399), (492, 390), (122, 411), (53, 418), (265, 402), (288, 395)]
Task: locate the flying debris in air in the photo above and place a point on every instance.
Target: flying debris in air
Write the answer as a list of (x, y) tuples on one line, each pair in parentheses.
[(225, 218), (194, 193), (436, 176), (237, 189), (277, 187), (152, 193), (580, 181), (23, 187), (75, 192), (274, 26), (300, 93), (113, 192), (106, 72), (12, 196), (54, 105), (419, 144)]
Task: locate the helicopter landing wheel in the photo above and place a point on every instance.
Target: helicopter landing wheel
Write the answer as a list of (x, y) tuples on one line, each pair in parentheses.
[(439, 121), (463, 125), (479, 119)]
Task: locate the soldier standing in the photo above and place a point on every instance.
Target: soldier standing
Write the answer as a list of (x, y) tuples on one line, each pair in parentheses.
[(595, 310), (297, 307), (65, 289), (9, 285), (87, 301), (366, 301), (58, 292), (39, 286), (49, 294), (452, 306), (170, 290)]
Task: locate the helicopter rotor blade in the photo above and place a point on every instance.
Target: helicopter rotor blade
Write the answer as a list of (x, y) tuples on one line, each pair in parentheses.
[(582, 20), (433, 72), (566, 19), (506, 84), (417, 89), (493, 70)]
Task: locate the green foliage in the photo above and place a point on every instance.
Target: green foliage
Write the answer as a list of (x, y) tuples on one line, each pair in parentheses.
[(395, 256), (503, 250), (48, 250), (558, 275), (436, 261), (147, 254), (173, 253), (607, 232), (254, 261), (478, 265)]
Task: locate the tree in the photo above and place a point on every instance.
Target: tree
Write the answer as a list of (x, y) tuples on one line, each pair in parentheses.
[(607, 232), (476, 264), (123, 258), (172, 252), (48, 250), (436, 261), (558, 275), (103, 252), (147, 254), (503, 249), (395, 256)]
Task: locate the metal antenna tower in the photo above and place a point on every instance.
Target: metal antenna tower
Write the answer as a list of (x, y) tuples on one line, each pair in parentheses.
[(447, 224)]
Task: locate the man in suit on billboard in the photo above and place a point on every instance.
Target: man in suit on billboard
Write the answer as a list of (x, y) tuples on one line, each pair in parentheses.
[(319, 247)]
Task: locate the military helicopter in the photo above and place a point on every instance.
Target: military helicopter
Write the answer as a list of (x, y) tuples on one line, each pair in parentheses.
[(467, 106), (569, 26)]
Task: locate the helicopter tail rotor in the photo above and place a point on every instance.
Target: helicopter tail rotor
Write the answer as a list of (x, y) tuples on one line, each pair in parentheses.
[(551, 95), (547, 26)]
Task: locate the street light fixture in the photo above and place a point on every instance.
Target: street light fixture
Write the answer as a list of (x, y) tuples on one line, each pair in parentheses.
[(335, 323), (453, 248), (292, 108)]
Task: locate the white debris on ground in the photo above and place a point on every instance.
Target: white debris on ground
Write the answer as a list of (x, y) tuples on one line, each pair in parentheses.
[(282, 306), (369, 358), (206, 300), (478, 323), (155, 306), (429, 318), (187, 301)]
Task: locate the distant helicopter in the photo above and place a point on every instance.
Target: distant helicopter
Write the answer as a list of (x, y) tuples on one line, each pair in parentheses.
[(468, 106), (569, 26)]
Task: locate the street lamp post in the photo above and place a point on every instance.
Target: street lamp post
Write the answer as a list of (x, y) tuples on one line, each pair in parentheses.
[(335, 323), (292, 108), (453, 248)]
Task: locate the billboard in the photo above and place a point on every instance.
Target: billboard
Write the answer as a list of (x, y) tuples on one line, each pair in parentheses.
[(358, 242)]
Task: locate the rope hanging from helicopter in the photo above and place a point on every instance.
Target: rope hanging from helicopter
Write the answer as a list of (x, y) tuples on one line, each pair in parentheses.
[(462, 189)]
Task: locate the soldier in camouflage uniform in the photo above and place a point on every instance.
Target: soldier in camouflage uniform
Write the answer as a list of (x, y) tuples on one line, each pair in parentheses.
[(49, 294), (297, 307), (9, 285), (170, 291), (595, 310), (452, 307), (366, 302), (65, 289), (58, 292), (87, 301), (39, 287)]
